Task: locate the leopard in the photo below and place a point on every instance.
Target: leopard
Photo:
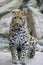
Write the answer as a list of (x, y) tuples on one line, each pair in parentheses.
[(20, 45)]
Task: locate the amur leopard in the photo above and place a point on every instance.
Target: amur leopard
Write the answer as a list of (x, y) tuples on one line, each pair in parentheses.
[(20, 45)]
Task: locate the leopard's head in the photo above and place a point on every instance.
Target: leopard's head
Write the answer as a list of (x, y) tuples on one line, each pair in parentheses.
[(18, 17)]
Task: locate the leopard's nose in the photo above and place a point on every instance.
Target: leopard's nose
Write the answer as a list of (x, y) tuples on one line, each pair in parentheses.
[(16, 24)]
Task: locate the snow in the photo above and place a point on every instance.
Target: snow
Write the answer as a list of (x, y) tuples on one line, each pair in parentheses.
[(2, 1), (5, 59), (32, 3), (39, 48), (7, 7)]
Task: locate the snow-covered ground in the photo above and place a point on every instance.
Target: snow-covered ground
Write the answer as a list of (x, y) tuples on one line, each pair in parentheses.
[(5, 59)]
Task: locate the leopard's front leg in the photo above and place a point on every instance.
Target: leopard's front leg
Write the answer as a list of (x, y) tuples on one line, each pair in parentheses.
[(31, 49), (13, 52), (24, 52)]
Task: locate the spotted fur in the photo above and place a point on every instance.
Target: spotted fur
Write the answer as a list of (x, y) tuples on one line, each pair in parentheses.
[(19, 36)]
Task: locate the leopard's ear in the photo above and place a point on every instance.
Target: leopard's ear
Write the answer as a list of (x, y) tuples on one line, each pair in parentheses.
[(23, 13)]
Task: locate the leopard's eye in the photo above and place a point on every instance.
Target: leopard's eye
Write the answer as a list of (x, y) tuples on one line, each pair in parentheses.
[(20, 18), (15, 17), (13, 12)]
